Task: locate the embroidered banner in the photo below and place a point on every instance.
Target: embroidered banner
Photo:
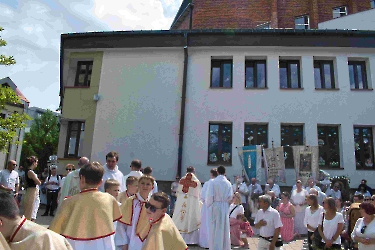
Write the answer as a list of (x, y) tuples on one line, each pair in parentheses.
[(306, 162), (274, 164), (251, 160)]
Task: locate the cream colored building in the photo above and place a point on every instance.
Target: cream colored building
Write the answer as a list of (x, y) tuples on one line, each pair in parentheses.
[(186, 98), (14, 150)]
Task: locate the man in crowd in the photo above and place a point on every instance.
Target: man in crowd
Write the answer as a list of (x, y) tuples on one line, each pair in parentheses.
[(311, 184), (219, 196), (52, 184), (111, 171), (255, 190), (335, 193), (148, 171), (187, 213), (9, 180), (271, 186), (135, 166)]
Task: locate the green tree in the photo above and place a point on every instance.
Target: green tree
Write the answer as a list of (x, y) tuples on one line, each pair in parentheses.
[(9, 125), (42, 140)]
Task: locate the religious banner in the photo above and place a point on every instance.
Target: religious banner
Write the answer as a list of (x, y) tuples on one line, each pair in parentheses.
[(274, 164), (251, 160), (306, 162)]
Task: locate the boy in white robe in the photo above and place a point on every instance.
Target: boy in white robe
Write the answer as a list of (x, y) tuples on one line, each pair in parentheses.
[(86, 219), (134, 212), (112, 187), (23, 234)]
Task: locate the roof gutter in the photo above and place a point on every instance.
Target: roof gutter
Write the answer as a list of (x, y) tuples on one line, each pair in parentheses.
[(183, 104), (61, 73)]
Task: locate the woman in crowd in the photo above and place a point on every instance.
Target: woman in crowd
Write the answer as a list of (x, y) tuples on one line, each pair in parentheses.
[(235, 209), (364, 229), (312, 215), (298, 200), (330, 226), (286, 211), (31, 187), (68, 168)]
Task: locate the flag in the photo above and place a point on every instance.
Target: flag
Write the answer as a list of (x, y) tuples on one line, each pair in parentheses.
[(306, 162), (251, 160), (274, 164)]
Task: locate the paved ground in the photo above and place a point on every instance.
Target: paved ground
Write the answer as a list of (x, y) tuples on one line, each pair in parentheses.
[(294, 245)]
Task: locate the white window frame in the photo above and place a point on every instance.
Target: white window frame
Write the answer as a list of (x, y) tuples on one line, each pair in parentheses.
[(305, 24), (337, 10)]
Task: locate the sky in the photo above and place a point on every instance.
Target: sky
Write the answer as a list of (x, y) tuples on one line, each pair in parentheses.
[(32, 30)]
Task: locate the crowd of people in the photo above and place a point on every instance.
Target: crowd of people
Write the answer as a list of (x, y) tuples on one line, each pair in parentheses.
[(97, 207)]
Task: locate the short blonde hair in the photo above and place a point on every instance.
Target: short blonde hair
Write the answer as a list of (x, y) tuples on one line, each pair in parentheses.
[(111, 183), (131, 180)]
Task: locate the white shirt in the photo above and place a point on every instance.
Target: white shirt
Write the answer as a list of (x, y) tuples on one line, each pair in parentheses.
[(112, 174), (272, 217), (332, 193), (330, 227), (53, 179), (137, 174), (238, 210), (155, 189), (9, 179), (368, 233), (255, 189), (243, 188), (275, 188), (312, 218)]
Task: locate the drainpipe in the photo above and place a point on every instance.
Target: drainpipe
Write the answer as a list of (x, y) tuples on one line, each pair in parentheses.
[(183, 102), (191, 16)]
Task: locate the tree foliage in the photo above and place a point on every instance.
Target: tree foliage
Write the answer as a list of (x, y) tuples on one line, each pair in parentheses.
[(42, 140), (10, 124)]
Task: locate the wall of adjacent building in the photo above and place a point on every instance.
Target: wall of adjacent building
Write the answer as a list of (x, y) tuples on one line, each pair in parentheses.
[(360, 21)]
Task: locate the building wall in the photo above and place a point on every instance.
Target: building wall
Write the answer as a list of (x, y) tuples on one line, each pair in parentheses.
[(274, 106), (79, 104), (139, 113), (361, 21), (245, 14)]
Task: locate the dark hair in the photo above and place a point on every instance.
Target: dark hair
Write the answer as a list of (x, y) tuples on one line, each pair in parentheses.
[(221, 170), (136, 164), (111, 183), (190, 169), (8, 206), (111, 155), (314, 198), (30, 160), (131, 180), (359, 196), (162, 198), (368, 207), (93, 173), (214, 172), (362, 186), (365, 181), (331, 203), (286, 194), (147, 170)]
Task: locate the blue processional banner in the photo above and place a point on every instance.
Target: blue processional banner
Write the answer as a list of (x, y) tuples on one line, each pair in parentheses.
[(251, 160)]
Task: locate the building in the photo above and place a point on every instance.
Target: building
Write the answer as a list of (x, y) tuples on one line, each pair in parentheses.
[(14, 150), (180, 98), (263, 14), (359, 21), (35, 112)]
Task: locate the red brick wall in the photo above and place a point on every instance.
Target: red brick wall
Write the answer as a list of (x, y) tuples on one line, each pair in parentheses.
[(247, 14)]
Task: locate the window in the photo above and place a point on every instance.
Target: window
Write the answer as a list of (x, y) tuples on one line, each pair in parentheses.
[(291, 135), (221, 73), (339, 12), (220, 144), (266, 25), (363, 147), (74, 141), (255, 74), (323, 74), (289, 75), (372, 3), (256, 134), (357, 75), (302, 23), (328, 141), (83, 76)]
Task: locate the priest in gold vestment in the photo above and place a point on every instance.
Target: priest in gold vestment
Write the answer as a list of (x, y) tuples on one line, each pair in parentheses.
[(161, 233), (21, 234), (187, 212)]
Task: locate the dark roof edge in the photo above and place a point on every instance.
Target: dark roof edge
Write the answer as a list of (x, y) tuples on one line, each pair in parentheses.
[(223, 32), (178, 17)]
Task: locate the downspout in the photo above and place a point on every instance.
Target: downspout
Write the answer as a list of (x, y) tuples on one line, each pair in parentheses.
[(183, 102)]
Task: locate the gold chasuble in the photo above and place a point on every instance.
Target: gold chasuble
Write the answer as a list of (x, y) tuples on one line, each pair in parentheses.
[(29, 235), (143, 225), (88, 215), (3, 243), (123, 196), (164, 235)]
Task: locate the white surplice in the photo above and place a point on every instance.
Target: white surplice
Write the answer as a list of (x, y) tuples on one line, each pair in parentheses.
[(115, 174), (187, 212), (106, 243), (134, 242), (204, 230), (219, 196)]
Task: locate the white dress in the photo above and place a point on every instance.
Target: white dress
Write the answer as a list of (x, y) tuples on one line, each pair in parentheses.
[(299, 217)]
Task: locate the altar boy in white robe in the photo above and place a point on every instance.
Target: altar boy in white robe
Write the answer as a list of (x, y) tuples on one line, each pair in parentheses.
[(187, 212), (204, 231), (134, 213), (219, 196)]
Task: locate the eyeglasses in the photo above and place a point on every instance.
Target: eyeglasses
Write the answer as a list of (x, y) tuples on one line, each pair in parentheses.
[(68, 169), (15, 165), (368, 199), (151, 207), (363, 229)]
